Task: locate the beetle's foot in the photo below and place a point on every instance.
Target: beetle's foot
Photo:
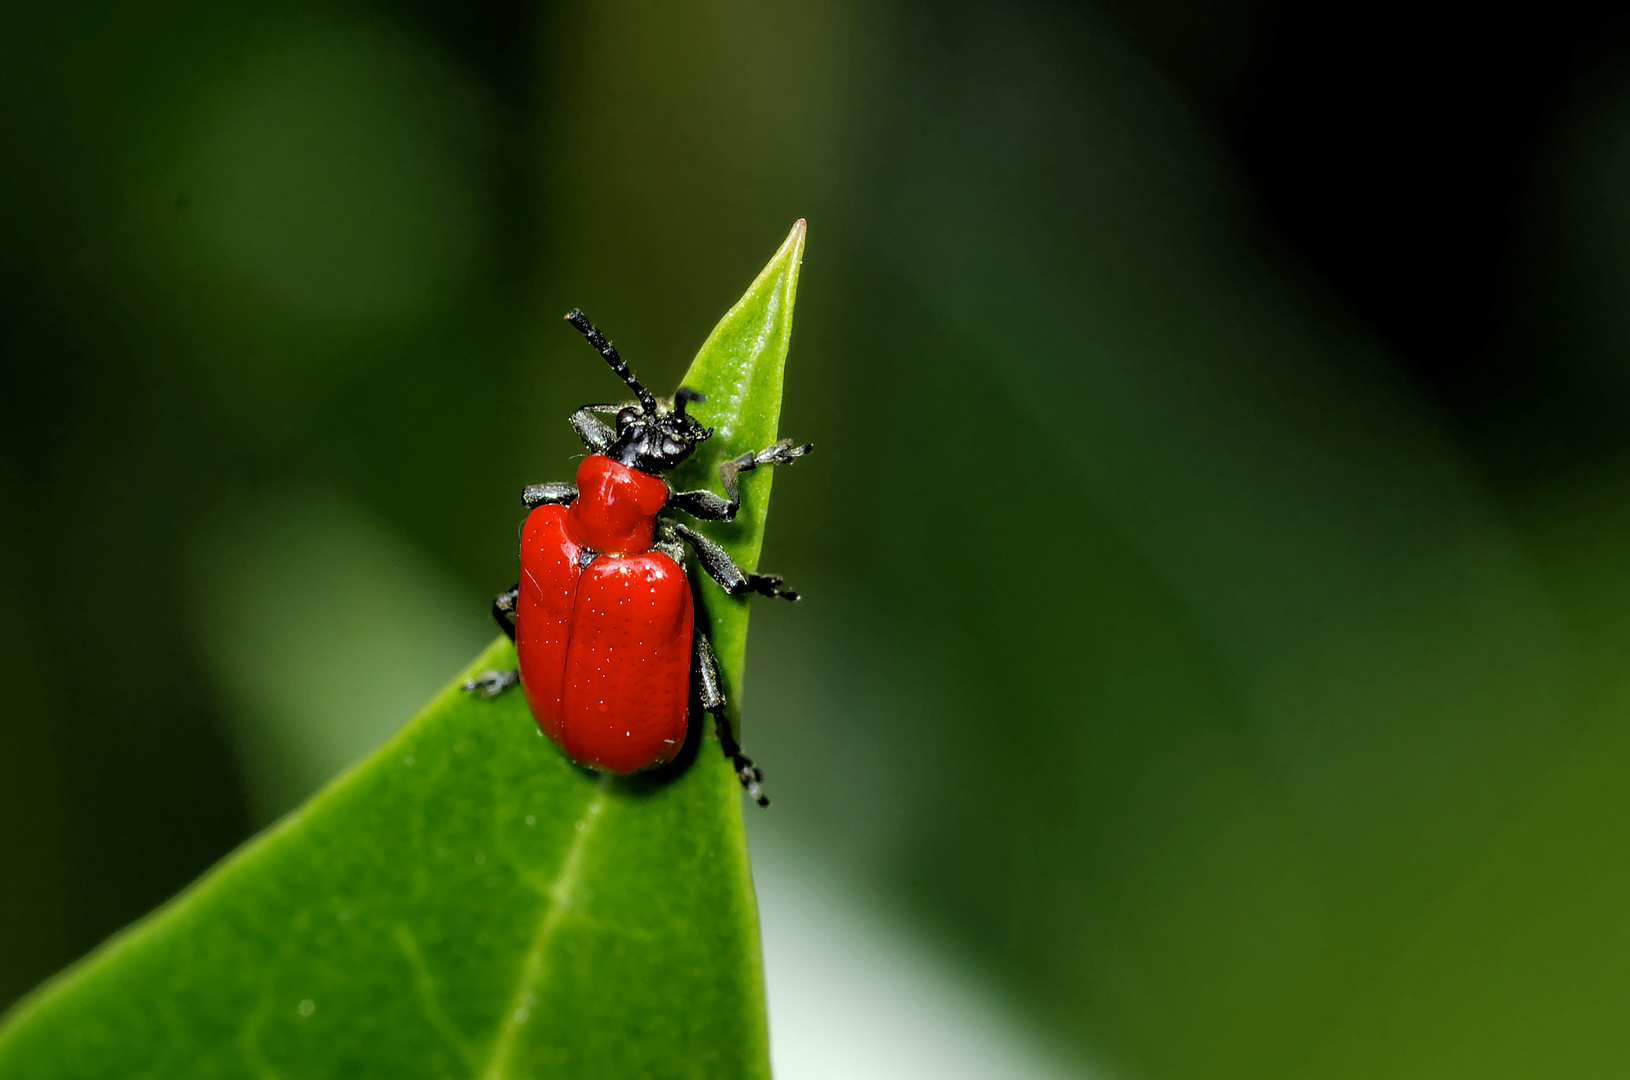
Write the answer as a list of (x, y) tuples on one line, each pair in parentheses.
[(782, 453), (492, 683), (770, 585), (750, 776)]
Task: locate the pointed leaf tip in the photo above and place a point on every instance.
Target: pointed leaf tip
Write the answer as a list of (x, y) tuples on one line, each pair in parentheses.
[(778, 279)]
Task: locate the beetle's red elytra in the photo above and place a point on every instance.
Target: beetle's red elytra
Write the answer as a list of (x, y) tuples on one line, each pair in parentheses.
[(603, 619), (605, 648)]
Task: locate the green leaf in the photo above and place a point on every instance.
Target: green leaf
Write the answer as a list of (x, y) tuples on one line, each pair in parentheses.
[(739, 368), (466, 902)]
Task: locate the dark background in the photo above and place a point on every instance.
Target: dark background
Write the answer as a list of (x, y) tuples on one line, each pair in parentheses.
[(1223, 418)]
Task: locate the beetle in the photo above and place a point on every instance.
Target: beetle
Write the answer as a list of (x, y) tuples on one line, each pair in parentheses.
[(603, 619)]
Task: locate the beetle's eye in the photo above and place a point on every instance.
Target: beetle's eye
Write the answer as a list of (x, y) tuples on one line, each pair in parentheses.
[(626, 417)]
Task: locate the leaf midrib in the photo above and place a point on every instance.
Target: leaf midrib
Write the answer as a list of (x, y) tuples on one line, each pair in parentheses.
[(533, 971)]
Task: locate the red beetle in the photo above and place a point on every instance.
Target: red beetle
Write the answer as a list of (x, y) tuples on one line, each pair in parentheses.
[(602, 618)]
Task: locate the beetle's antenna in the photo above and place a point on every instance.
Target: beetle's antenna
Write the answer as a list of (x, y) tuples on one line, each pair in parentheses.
[(684, 396), (609, 351)]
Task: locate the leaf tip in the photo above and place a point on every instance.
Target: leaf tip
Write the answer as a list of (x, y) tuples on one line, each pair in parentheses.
[(792, 248), (775, 285)]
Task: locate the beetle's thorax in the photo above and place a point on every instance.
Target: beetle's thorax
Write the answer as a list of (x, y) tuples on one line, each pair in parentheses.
[(616, 506)]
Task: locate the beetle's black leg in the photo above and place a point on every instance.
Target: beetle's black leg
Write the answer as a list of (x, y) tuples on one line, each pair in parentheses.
[(704, 505), (503, 609), (707, 506), (536, 495), (668, 543), (721, 568), (710, 689), (771, 585), (492, 683), (595, 432)]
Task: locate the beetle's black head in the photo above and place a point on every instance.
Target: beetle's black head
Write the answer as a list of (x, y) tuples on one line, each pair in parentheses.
[(651, 435), (656, 442)]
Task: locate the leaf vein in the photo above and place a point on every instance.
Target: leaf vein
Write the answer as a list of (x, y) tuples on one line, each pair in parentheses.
[(429, 1000), (560, 894)]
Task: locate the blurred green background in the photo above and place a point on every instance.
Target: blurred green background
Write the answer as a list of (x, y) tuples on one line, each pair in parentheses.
[(1217, 594)]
